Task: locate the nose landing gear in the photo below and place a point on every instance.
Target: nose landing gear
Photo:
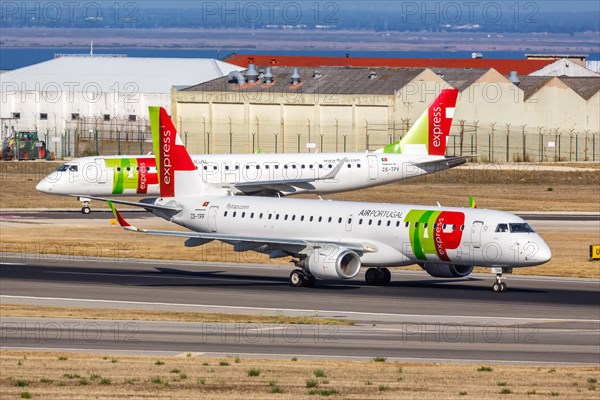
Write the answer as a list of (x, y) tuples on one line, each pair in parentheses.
[(85, 209), (499, 286)]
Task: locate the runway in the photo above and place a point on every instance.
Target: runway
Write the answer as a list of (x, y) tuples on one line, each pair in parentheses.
[(418, 318)]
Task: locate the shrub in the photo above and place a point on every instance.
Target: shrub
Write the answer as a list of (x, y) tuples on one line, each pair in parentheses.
[(253, 372), (319, 373)]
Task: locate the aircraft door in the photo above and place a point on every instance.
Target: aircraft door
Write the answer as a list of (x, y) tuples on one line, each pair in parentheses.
[(373, 170), (349, 219), (476, 234), (212, 218)]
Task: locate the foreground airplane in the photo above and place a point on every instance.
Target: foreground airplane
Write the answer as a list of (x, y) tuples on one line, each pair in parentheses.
[(333, 239), (421, 151)]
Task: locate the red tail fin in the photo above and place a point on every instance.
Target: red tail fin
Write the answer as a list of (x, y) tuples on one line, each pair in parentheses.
[(441, 112), (169, 150)]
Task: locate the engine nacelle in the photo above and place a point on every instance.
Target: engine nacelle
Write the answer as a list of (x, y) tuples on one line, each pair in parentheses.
[(447, 270), (339, 264)]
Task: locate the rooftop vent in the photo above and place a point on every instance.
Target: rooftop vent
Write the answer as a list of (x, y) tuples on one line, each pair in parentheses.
[(372, 75), (238, 76), (268, 75), (514, 78), (476, 55), (296, 76), (317, 74), (251, 73)]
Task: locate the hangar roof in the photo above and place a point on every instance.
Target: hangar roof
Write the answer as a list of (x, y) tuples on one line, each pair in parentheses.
[(586, 87), (323, 80), (111, 74), (523, 67)]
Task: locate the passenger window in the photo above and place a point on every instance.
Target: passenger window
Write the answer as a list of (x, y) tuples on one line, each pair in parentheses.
[(302, 218), (502, 228), (311, 218), (360, 221), (320, 219), (357, 165), (225, 214), (397, 224), (260, 216), (234, 214), (406, 225), (252, 216), (340, 220), (370, 222), (389, 223), (329, 220), (243, 215), (293, 217), (277, 217), (286, 217), (349, 220), (379, 223)]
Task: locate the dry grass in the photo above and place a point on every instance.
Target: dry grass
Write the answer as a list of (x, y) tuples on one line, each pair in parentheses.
[(18, 310), (570, 250), (54, 376), (528, 189)]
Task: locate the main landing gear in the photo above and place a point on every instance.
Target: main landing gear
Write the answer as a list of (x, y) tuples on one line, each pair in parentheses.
[(378, 276), (300, 278), (499, 286)]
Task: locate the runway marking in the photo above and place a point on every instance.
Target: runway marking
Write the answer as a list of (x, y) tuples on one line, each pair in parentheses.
[(302, 357), (297, 309), (11, 263)]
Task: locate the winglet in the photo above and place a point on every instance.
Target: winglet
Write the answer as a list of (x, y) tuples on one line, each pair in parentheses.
[(120, 218), (472, 202), (335, 171)]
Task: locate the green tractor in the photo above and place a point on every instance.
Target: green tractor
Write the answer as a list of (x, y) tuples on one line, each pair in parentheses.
[(25, 145)]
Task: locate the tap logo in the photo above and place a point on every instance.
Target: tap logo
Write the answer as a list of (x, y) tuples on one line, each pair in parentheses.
[(434, 232)]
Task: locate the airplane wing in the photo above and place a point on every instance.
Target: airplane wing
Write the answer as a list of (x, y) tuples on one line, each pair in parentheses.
[(143, 203), (279, 185), (242, 242)]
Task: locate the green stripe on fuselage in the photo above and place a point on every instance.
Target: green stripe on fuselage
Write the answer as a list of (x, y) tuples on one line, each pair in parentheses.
[(125, 174)]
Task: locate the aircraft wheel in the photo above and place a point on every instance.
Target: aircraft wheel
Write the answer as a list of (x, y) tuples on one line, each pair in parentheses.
[(503, 287), (86, 210), (497, 287), (297, 278), (371, 276), (385, 276), (309, 280)]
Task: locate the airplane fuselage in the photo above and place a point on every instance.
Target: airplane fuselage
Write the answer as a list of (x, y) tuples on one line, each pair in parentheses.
[(398, 234), (122, 175)]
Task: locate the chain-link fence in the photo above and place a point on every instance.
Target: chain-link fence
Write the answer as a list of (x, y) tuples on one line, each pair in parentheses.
[(497, 143)]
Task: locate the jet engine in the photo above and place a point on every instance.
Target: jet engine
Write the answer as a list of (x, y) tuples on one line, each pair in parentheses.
[(447, 270), (341, 263)]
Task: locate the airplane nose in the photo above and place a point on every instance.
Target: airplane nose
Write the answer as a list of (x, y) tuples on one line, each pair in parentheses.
[(44, 186), (544, 254)]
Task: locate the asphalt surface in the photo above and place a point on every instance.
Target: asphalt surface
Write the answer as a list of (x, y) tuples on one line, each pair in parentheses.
[(416, 318)]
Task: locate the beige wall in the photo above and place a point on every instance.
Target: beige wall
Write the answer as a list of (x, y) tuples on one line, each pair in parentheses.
[(492, 109)]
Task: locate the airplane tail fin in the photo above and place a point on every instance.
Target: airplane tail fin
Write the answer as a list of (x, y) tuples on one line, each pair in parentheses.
[(429, 134), (177, 173)]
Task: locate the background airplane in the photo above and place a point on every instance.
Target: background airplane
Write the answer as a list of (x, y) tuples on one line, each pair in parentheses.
[(421, 151), (333, 239)]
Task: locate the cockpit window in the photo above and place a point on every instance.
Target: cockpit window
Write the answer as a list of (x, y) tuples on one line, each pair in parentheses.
[(73, 168), (502, 228), (63, 168), (521, 228)]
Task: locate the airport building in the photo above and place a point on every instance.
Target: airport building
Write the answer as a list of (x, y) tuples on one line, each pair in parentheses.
[(500, 117), (80, 97), (537, 109)]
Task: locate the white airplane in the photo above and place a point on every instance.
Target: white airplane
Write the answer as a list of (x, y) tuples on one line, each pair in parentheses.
[(333, 239), (421, 151)]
